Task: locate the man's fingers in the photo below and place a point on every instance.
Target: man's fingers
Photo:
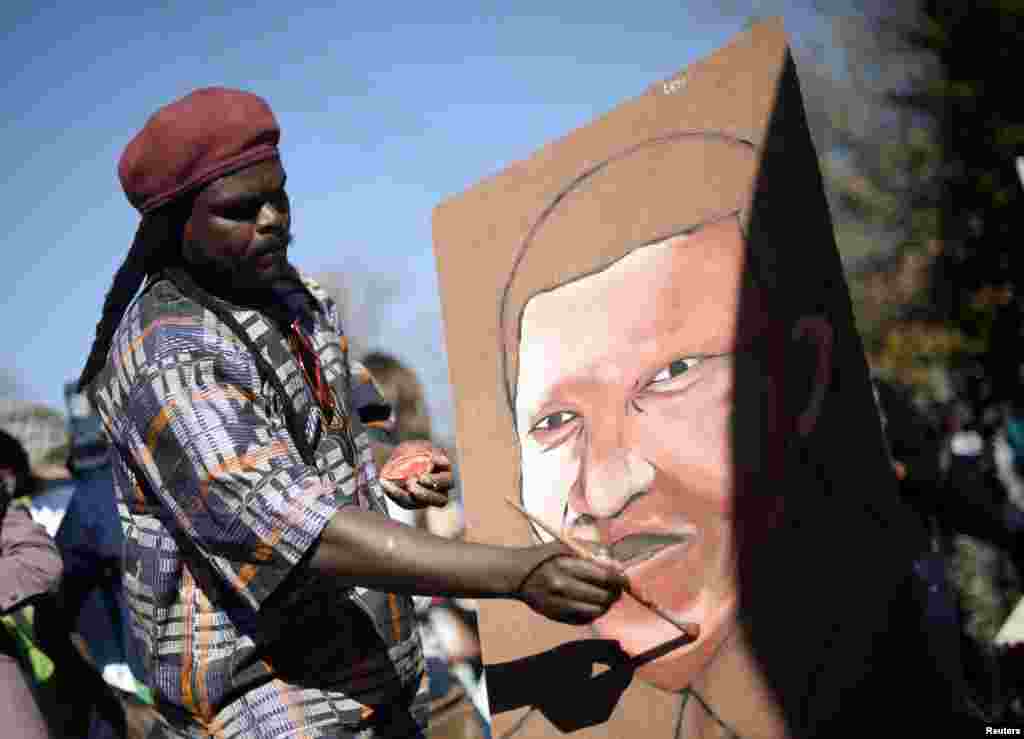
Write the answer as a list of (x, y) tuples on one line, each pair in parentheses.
[(601, 552), (414, 495), (400, 495), (571, 611), (388, 486), (393, 489), (605, 577), (425, 495), (584, 592), (438, 480)]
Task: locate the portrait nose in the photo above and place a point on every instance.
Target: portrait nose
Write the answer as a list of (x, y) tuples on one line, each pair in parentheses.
[(610, 475)]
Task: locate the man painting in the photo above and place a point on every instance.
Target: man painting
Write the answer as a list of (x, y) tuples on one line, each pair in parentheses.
[(268, 588)]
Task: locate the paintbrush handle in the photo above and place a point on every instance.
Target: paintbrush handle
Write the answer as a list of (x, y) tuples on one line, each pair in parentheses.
[(577, 549), (692, 630)]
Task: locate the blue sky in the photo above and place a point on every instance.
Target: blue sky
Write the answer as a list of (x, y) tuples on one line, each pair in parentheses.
[(386, 109)]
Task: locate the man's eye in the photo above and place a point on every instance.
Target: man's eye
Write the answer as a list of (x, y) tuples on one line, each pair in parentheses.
[(554, 421), (243, 212), (674, 370)]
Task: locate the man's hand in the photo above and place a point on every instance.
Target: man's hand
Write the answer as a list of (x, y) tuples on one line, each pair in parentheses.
[(566, 588), (418, 475)]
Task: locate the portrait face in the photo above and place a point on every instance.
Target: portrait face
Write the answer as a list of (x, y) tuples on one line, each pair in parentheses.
[(623, 407), (240, 226)]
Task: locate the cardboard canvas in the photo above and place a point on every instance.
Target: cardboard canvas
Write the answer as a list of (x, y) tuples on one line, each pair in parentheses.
[(650, 341)]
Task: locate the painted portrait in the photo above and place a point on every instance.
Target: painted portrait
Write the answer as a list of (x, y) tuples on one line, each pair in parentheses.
[(620, 382), (674, 380)]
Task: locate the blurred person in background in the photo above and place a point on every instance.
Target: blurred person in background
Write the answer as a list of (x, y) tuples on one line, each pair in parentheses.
[(30, 567), (451, 645), (86, 629), (952, 481), (448, 626), (403, 391), (984, 462), (408, 418), (914, 446)]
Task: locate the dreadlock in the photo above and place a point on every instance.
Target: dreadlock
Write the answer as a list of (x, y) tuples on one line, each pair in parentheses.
[(157, 244)]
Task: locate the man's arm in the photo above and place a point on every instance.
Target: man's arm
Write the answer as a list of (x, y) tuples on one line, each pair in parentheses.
[(220, 462), (365, 548)]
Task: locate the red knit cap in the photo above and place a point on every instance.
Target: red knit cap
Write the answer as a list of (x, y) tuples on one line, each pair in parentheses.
[(207, 134)]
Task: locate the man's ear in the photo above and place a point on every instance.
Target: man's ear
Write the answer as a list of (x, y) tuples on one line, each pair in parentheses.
[(816, 331)]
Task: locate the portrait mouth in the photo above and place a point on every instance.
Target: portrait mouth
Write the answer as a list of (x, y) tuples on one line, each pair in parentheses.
[(636, 548)]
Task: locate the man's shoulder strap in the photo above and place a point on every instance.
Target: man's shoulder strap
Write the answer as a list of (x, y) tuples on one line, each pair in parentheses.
[(263, 339), (315, 289)]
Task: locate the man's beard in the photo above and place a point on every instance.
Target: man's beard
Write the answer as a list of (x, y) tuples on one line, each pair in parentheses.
[(238, 279), (274, 245)]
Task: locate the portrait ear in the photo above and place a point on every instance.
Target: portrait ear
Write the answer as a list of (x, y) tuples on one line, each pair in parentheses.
[(816, 331)]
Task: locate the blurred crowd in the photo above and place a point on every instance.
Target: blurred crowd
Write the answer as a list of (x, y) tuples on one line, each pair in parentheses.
[(960, 464), (448, 626)]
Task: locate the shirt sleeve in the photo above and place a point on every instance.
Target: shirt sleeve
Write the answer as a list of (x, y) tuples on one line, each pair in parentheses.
[(30, 563), (222, 462)]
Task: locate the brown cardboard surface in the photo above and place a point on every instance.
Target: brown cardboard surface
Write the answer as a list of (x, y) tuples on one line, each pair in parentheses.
[(478, 236)]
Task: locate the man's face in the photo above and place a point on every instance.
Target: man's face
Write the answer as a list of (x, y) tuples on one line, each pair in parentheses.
[(240, 226), (623, 408)]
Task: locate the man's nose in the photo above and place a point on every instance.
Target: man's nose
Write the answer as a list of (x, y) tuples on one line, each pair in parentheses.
[(271, 218)]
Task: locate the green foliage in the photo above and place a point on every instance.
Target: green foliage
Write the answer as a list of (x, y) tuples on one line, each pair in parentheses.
[(918, 135), (988, 585), (982, 124)]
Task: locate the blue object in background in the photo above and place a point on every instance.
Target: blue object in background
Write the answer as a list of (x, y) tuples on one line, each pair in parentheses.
[(92, 545), (90, 540)]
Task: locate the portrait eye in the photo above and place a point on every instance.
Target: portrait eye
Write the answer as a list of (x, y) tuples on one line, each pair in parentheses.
[(554, 421), (676, 369)]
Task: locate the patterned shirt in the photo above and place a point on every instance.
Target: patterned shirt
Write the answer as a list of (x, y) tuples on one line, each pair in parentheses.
[(225, 475)]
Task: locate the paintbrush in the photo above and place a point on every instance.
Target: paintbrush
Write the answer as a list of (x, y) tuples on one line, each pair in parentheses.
[(688, 628)]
